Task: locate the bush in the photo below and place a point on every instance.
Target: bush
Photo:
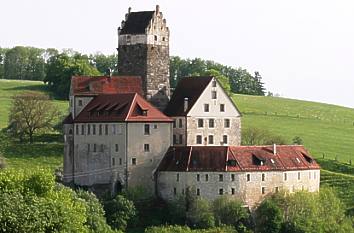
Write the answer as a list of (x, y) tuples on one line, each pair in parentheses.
[(185, 229), (269, 217), (119, 211)]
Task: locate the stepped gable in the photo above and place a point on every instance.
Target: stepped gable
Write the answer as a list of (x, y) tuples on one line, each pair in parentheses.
[(128, 107), (137, 22), (93, 85), (237, 158), (189, 87)]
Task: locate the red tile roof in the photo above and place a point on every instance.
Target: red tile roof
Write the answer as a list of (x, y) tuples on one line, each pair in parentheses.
[(129, 107), (237, 158), (87, 85), (189, 87)]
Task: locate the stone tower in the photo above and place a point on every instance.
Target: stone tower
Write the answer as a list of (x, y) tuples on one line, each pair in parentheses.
[(143, 49)]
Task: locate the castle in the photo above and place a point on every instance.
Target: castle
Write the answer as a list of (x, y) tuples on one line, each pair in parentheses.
[(127, 131)]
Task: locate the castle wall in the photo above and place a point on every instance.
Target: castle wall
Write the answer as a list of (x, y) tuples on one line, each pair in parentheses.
[(250, 192), (146, 161)]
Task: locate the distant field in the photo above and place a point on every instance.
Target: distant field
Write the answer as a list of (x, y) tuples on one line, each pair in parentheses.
[(47, 151), (325, 129)]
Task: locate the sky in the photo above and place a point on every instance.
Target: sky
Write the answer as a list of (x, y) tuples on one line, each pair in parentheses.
[(303, 49)]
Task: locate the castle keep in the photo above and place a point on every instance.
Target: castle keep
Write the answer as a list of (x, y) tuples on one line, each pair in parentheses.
[(126, 131)]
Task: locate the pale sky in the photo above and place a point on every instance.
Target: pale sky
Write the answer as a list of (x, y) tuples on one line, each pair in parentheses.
[(303, 49)]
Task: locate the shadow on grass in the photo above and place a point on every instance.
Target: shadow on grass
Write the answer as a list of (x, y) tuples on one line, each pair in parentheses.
[(40, 87), (36, 150)]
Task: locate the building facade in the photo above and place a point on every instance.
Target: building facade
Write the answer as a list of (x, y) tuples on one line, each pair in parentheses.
[(203, 114), (143, 50)]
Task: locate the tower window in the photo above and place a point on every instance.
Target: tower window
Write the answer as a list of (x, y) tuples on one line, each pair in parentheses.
[(198, 192), (163, 38), (199, 139), (211, 139), (133, 161), (232, 191), (263, 177), (221, 191), (248, 177), (200, 123), (147, 129), (227, 123), (206, 107), (213, 95), (222, 107), (211, 123), (155, 38), (146, 147)]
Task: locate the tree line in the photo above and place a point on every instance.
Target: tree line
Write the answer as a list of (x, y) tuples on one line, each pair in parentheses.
[(55, 68)]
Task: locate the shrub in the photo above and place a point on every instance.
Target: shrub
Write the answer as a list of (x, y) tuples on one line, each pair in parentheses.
[(269, 217), (200, 215)]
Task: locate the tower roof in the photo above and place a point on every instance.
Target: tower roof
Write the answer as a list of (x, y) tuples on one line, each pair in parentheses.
[(137, 22)]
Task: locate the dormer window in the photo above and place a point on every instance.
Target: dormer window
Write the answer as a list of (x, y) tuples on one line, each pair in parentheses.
[(145, 112)]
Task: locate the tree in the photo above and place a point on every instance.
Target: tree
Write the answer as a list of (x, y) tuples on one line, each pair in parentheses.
[(2, 60), (258, 136), (269, 217), (30, 113), (230, 212), (61, 67), (119, 211), (297, 140), (105, 62), (200, 214)]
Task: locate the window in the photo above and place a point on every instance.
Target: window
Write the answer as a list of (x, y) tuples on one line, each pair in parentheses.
[(70, 131), (88, 129), (180, 123), (206, 107), (222, 107), (82, 129), (174, 139), (94, 129), (232, 191), (77, 129), (174, 191), (120, 161), (180, 139), (146, 147), (224, 139), (94, 148), (263, 177), (80, 102), (88, 147), (227, 123), (211, 139), (198, 192), (100, 130), (276, 189), (177, 177), (206, 177), (232, 177), (174, 123), (133, 161), (102, 148), (113, 162), (114, 129), (221, 177), (298, 176), (314, 175), (163, 38), (213, 95), (221, 191), (199, 139), (211, 123), (117, 147), (200, 123), (147, 129), (285, 176), (106, 129), (248, 177), (309, 175), (263, 190), (155, 37), (198, 177), (213, 83)]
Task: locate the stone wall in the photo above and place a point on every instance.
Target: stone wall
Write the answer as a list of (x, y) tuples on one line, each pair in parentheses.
[(250, 192)]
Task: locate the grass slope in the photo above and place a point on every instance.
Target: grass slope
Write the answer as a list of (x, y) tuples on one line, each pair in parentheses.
[(48, 149), (325, 129)]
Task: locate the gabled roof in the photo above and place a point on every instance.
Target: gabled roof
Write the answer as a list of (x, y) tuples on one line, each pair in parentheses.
[(88, 85), (189, 87), (237, 158), (128, 107), (137, 22)]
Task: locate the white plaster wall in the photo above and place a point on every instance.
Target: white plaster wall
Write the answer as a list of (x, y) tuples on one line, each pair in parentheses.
[(85, 100)]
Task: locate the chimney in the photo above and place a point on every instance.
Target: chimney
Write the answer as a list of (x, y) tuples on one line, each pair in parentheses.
[(185, 105), (129, 10), (157, 9), (274, 149)]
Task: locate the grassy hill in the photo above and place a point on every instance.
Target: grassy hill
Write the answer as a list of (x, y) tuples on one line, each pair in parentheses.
[(325, 129)]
